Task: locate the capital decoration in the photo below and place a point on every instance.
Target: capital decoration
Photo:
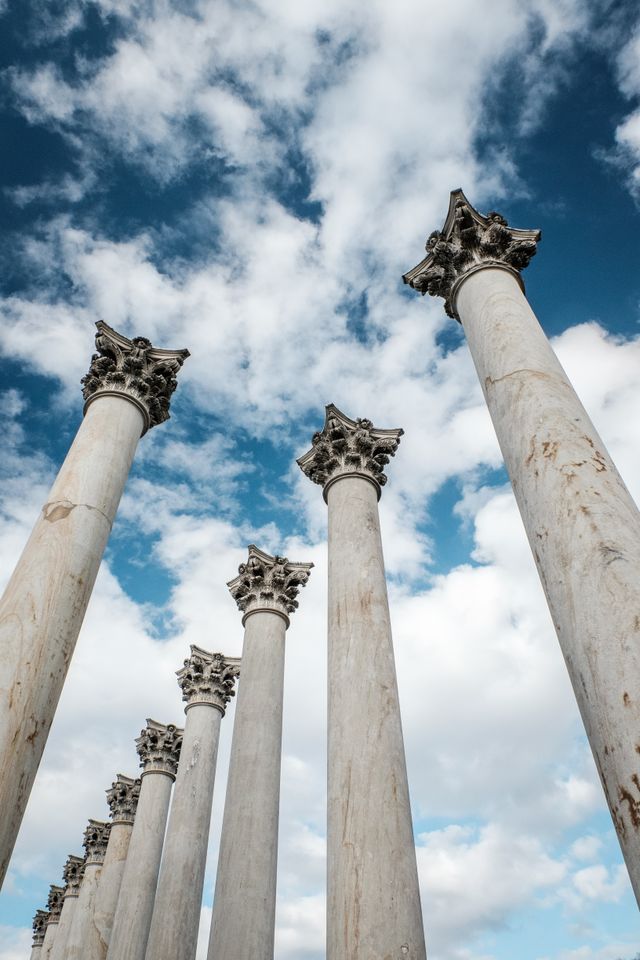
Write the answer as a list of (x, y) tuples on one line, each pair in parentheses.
[(54, 903), (39, 927), (122, 798), (72, 873), (346, 446), (268, 583), (144, 374), (96, 837), (158, 747), (208, 678), (467, 242)]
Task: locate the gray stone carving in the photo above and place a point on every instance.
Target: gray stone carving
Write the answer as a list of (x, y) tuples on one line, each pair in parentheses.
[(268, 583), (467, 241), (39, 927), (159, 746), (146, 374), (208, 678), (346, 446), (54, 903), (72, 875), (96, 837), (122, 798)]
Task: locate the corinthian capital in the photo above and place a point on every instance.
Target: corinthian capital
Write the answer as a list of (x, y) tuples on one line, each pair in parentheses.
[(346, 446), (96, 837), (122, 798), (208, 678), (268, 583), (468, 242), (72, 875), (39, 927), (54, 903), (158, 747), (144, 374)]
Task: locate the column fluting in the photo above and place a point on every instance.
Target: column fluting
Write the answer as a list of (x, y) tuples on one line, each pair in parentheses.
[(72, 874), (96, 838)]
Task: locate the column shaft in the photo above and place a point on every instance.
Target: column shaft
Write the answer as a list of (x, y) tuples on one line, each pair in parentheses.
[(44, 604), (243, 922), (64, 927), (79, 933), (176, 913), (106, 897), (138, 888), (373, 901), (583, 529), (49, 940)]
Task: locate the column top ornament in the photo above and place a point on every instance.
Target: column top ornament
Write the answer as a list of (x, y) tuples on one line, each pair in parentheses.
[(96, 837), (39, 927), (158, 747), (345, 447), (144, 374), (54, 903), (469, 242), (208, 678), (268, 583), (122, 798), (72, 875)]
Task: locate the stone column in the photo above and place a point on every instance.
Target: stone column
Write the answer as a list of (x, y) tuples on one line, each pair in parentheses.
[(243, 921), (72, 874), (96, 838), (122, 798), (583, 527), (39, 930), (127, 391), (207, 682), (373, 898), (54, 909), (159, 750)]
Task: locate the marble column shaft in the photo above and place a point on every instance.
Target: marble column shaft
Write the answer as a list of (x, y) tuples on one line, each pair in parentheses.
[(159, 749), (373, 897), (96, 837), (39, 931), (243, 921), (54, 908), (207, 682), (72, 873), (44, 604)]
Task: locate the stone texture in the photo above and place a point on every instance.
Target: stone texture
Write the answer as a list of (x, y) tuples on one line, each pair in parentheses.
[(72, 874), (96, 838), (206, 681), (39, 930), (373, 901), (268, 583), (43, 606), (54, 909)]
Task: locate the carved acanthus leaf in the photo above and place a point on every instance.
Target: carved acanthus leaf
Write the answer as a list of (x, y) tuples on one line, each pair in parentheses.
[(96, 837), (122, 798), (349, 446), (145, 373), (159, 746), (72, 874), (54, 903), (467, 240), (266, 582), (208, 678), (39, 927)]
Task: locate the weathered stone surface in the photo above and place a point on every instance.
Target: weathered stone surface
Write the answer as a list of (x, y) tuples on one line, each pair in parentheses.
[(73, 872), (268, 583), (122, 798), (158, 747), (346, 446), (39, 927), (208, 678), (467, 242), (55, 901), (72, 875), (96, 839)]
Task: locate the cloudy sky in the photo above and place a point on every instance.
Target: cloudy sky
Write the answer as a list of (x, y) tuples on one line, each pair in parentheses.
[(250, 180)]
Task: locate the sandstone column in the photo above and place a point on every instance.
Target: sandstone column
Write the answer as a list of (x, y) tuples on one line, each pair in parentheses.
[(96, 838), (122, 798), (583, 527), (243, 921), (207, 682), (72, 874), (39, 930), (373, 899), (127, 391), (54, 909), (159, 749)]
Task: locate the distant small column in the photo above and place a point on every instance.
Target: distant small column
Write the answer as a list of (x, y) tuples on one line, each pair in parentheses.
[(373, 896), (243, 922), (122, 798), (159, 749), (72, 874), (39, 930), (127, 391), (96, 838), (206, 681), (54, 909)]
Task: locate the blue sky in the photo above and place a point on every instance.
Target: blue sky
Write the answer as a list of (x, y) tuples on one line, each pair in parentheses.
[(250, 181)]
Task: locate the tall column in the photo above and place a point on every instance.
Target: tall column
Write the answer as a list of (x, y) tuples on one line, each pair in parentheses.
[(96, 837), (373, 898), (244, 904), (54, 909), (72, 874), (122, 798), (39, 930), (159, 749), (582, 524), (207, 682), (127, 391)]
